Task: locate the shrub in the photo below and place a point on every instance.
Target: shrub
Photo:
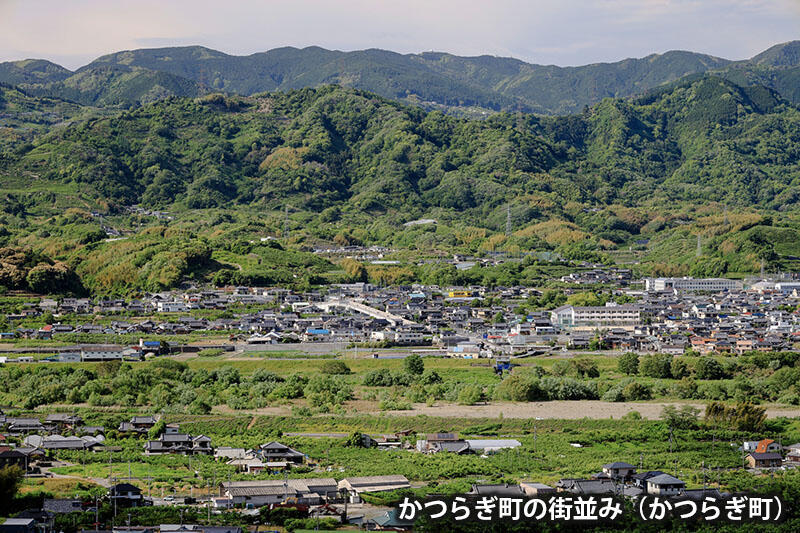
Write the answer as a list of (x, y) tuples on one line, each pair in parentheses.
[(378, 378), (470, 395), (708, 368), (585, 367), (742, 416), (414, 364), (335, 368), (628, 363), (519, 389), (656, 366), (683, 418), (679, 368), (430, 377), (199, 407), (568, 389), (636, 391)]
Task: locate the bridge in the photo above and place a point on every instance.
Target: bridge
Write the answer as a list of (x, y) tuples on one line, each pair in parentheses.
[(359, 307)]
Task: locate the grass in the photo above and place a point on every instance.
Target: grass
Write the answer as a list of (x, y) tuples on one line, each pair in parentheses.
[(58, 487)]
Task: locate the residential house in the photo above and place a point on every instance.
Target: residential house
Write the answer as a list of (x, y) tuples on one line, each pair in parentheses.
[(179, 443), (664, 485), (11, 457), (277, 452), (764, 460), (62, 506), (138, 424), (530, 488), (310, 491), (768, 446), (126, 495), (356, 486), (18, 525), (619, 470)]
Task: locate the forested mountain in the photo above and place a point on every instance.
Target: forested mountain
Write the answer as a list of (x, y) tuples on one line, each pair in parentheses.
[(433, 80), (704, 139), (351, 166)]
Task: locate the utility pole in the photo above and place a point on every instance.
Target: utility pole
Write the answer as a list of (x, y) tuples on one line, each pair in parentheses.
[(704, 476)]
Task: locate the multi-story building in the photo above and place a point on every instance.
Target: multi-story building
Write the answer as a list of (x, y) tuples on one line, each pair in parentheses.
[(692, 284), (568, 316)]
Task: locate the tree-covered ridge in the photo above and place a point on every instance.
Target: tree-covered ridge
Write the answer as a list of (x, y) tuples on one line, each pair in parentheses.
[(344, 166), (707, 139), (471, 85)]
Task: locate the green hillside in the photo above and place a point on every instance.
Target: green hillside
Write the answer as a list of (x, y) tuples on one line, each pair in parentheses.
[(471, 86), (347, 166)]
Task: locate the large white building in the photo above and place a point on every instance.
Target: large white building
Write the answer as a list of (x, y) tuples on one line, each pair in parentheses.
[(692, 284), (609, 315)]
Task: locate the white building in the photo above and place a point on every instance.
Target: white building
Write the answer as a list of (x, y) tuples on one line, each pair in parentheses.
[(105, 352), (665, 485), (610, 314), (171, 307), (692, 284)]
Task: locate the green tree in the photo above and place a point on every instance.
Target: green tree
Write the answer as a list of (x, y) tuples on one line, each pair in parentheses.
[(679, 368), (519, 389), (157, 429), (656, 366), (414, 364), (628, 363), (10, 480), (708, 368), (684, 417), (199, 407)]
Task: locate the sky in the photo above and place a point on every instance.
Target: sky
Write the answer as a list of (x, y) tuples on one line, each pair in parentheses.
[(561, 32)]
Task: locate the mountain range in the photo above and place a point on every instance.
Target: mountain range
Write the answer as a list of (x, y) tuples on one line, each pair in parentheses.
[(244, 150), (471, 85)]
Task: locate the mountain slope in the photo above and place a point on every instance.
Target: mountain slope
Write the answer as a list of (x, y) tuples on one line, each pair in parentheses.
[(485, 81), (115, 85), (434, 80), (706, 139), (347, 166), (32, 71)]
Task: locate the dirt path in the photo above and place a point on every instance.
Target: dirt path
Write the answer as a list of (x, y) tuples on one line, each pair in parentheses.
[(563, 410)]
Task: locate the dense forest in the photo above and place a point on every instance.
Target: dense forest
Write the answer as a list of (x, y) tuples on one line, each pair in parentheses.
[(702, 158)]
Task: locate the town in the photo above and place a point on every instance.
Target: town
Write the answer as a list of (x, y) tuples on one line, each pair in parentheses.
[(658, 315)]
